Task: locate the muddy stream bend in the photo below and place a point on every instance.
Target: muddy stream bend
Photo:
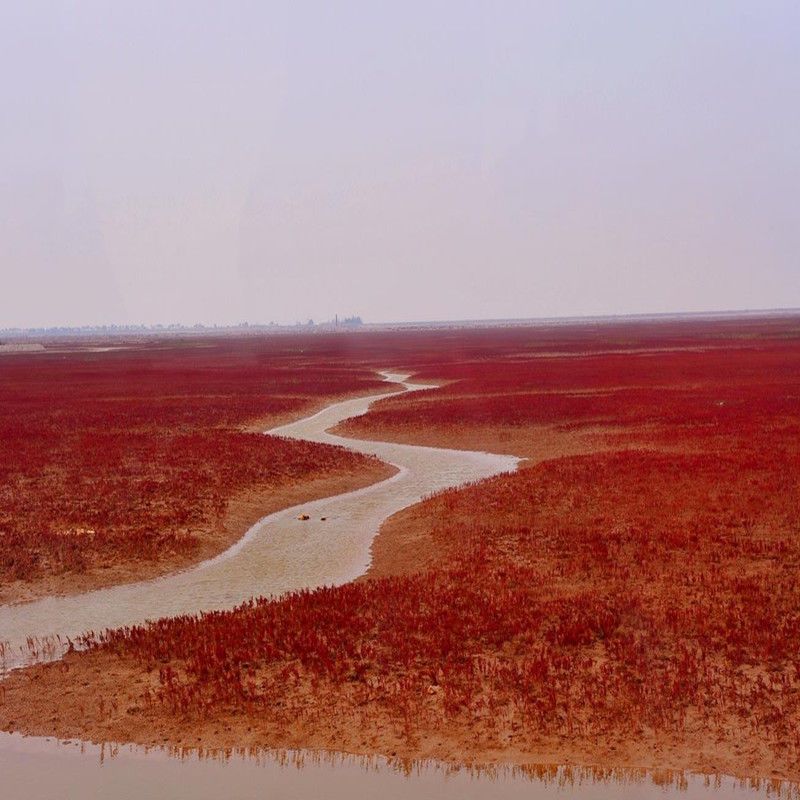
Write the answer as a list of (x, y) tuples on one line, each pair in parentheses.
[(280, 553)]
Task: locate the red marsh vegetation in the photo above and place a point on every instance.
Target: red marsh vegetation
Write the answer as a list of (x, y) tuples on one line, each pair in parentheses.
[(630, 600), (128, 463), (691, 382)]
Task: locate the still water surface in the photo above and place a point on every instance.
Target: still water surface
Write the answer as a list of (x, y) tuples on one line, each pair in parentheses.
[(43, 769)]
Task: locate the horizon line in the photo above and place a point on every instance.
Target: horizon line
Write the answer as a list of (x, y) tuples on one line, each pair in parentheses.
[(440, 323)]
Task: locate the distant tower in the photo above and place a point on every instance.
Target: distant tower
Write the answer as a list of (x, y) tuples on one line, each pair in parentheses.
[(336, 323)]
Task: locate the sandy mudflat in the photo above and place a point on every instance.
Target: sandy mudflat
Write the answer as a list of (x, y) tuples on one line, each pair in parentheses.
[(98, 697)]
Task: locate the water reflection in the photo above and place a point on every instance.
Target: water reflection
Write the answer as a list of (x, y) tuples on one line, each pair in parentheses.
[(549, 775), (38, 768)]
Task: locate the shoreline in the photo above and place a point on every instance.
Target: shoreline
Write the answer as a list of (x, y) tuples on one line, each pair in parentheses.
[(31, 692)]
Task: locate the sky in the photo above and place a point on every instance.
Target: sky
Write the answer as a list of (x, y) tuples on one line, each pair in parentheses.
[(221, 162)]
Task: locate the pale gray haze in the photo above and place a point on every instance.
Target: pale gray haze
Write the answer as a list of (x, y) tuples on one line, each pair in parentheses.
[(219, 162)]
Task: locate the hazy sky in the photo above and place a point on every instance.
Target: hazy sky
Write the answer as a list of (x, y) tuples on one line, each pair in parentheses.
[(216, 162)]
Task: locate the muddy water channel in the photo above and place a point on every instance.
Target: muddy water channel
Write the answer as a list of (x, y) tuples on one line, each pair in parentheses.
[(278, 554)]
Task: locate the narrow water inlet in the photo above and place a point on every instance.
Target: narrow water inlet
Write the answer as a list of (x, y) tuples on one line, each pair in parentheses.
[(278, 554)]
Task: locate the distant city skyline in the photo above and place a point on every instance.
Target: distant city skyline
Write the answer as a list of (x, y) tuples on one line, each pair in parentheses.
[(201, 162)]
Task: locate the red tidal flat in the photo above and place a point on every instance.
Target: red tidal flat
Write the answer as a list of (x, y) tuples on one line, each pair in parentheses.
[(632, 605), (724, 386), (128, 454)]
